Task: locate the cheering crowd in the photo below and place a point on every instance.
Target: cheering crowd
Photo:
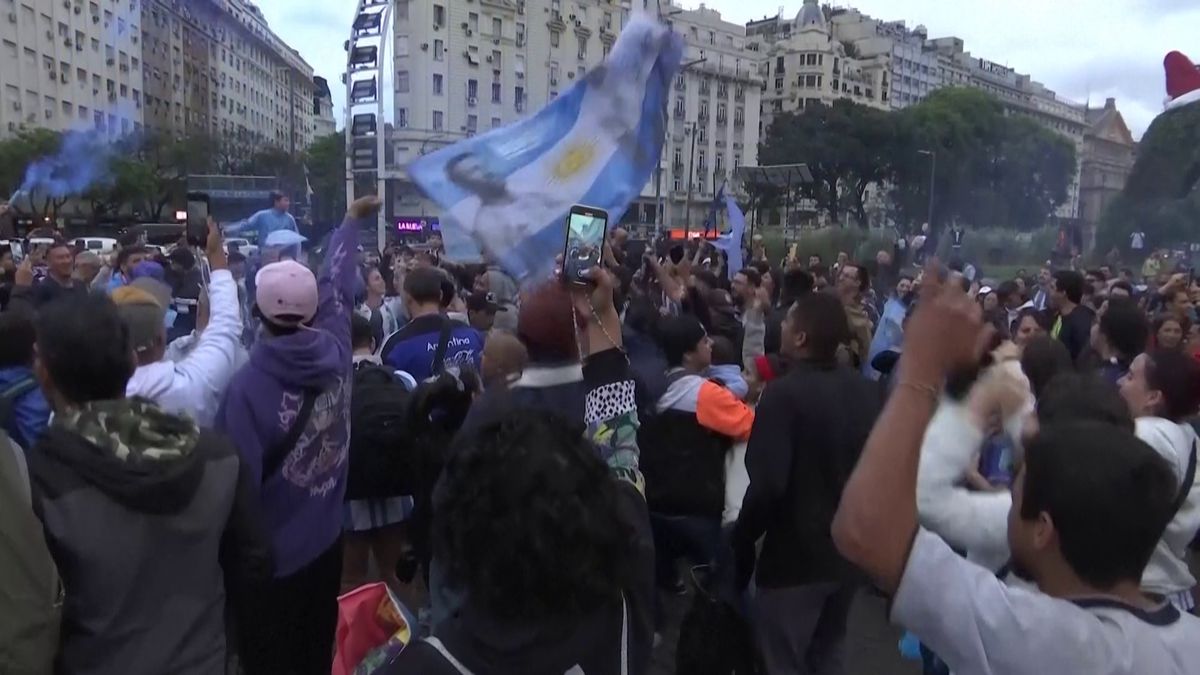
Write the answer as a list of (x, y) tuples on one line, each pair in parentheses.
[(203, 451)]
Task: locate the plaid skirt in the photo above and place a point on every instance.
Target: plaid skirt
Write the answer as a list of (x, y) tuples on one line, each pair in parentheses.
[(363, 515)]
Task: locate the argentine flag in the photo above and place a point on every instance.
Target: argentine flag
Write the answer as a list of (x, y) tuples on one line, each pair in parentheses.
[(505, 195)]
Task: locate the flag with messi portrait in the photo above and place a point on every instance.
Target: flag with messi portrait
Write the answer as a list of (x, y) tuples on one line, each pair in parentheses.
[(505, 194)]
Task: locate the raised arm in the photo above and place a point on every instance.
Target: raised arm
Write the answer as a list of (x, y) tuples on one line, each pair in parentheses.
[(335, 283), (877, 519)]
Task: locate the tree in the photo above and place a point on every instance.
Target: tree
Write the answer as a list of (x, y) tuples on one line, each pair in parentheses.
[(326, 162), (23, 158), (1162, 195), (992, 169), (161, 166), (847, 147)]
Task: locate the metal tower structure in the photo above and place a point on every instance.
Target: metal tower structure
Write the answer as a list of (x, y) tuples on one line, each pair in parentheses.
[(366, 67)]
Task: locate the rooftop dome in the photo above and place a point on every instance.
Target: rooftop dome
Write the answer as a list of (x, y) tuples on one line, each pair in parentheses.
[(810, 15)]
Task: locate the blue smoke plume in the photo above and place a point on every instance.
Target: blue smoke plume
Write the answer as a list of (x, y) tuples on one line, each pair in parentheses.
[(81, 162)]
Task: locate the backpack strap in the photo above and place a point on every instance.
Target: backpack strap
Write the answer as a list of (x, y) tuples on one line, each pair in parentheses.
[(9, 396), (441, 649), (624, 636), (439, 356), (1189, 479), (273, 459)]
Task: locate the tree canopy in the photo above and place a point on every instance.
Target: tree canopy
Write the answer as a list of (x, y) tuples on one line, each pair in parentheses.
[(992, 169), (1162, 195)]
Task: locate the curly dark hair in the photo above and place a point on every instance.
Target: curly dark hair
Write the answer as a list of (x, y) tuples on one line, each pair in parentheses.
[(526, 521)]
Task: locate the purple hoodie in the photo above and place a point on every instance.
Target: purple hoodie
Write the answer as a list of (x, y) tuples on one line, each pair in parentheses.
[(302, 501)]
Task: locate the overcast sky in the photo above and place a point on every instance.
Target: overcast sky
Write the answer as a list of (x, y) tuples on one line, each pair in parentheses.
[(1082, 49)]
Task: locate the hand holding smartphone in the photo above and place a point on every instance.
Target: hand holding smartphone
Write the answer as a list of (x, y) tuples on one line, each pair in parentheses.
[(587, 229), (198, 212)]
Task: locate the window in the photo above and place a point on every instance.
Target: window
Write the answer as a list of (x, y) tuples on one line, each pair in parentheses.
[(607, 21), (703, 110), (678, 159), (473, 22), (810, 81), (810, 59), (439, 15), (496, 59), (402, 45), (779, 83), (721, 113), (402, 81), (472, 123), (712, 38), (496, 92), (497, 27), (439, 50), (680, 109), (438, 121), (739, 116), (737, 160), (520, 34), (582, 48), (472, 89), (519, 98), (402, 117), (495, 122), (779, 64), (437, 84), (553, 38), (553, 73)]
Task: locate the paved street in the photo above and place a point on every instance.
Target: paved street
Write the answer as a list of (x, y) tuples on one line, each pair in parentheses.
[(872, 641)]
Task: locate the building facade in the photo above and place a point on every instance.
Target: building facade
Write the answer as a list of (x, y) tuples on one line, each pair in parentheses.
[(322, 112), (169, 65), (465, 67), (68, 64), (804, 62), (911, 65), (1109, 152)]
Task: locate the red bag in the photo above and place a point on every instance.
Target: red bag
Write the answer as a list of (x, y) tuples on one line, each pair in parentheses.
[(372, 628)]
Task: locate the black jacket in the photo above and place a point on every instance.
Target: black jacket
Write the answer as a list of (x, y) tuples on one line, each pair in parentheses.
[(1076, 330), (487, 646), (146, 551), (809, 430)]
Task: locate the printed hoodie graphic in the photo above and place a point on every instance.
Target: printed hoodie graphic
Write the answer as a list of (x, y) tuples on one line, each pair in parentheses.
[(302, 501)]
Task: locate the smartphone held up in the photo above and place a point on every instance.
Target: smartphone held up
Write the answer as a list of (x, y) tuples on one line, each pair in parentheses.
[(197, 219), (587, 228)]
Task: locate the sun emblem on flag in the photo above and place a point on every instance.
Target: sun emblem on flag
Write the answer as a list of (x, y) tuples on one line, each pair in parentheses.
[(574, 160)]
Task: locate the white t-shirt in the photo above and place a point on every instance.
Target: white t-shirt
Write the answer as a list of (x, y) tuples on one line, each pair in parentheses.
[(980, 626), (1137, 240)]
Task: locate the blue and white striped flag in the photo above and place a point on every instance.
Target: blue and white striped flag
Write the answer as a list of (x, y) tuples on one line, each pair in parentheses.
[(731, 242), (506, 194)]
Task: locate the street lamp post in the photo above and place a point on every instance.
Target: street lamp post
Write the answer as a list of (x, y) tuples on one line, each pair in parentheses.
[(658, 205), (932, 176)]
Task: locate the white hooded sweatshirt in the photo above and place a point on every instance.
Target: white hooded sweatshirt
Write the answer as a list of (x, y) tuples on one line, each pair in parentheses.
[(1167, 571), (194, 385)]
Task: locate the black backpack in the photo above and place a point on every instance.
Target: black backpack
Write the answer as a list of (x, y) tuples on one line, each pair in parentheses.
[(382, 459)]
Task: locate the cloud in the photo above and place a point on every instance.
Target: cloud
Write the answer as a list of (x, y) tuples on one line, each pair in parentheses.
[(1082, 49), (316, 29)]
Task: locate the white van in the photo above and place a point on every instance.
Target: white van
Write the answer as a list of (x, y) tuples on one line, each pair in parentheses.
[(100, 245)]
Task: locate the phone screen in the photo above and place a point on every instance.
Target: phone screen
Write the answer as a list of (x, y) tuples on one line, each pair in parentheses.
[(197, 218), (586, 228)]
